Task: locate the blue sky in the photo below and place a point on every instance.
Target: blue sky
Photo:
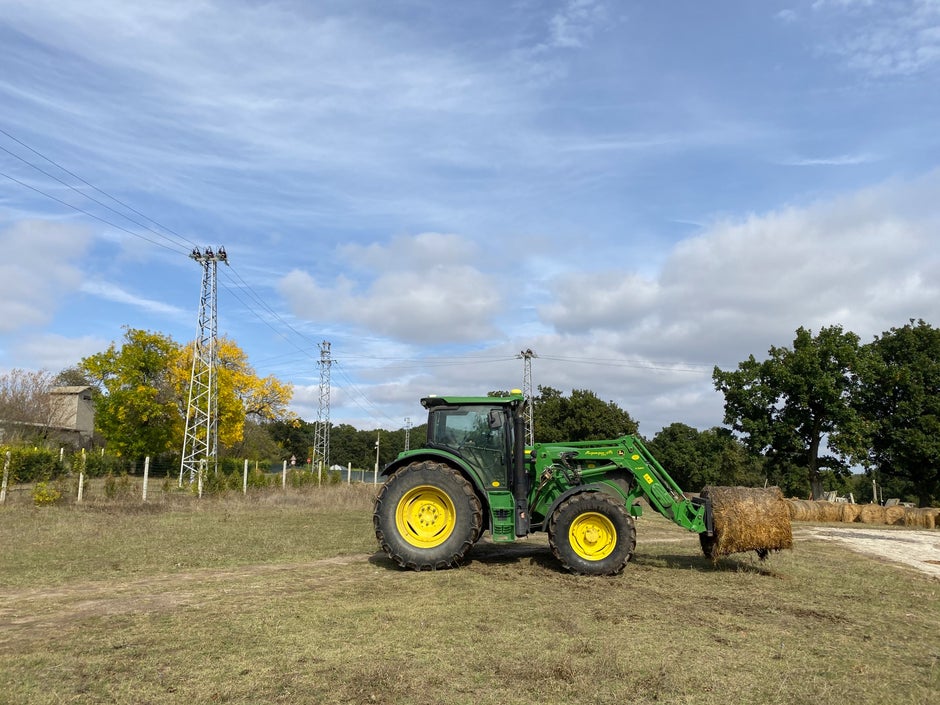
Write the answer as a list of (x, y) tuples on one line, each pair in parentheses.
[(635, 191)]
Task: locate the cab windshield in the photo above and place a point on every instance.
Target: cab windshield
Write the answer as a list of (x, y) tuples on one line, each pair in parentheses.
[(476, 433)]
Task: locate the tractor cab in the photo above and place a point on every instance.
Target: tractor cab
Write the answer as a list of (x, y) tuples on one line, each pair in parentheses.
[(477, 429)]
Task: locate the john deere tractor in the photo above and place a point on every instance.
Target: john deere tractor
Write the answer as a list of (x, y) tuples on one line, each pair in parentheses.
[(475, 474)]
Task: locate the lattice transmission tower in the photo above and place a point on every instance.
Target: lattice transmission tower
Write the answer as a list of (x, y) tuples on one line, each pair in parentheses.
[(529, 412), (407, 433), (321, 436), (201, 437)]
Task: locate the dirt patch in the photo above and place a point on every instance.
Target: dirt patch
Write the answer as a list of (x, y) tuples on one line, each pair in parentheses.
[(37, 609), (918, 549)]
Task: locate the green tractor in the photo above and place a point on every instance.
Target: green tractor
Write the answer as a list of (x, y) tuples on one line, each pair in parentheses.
[(475, 474)]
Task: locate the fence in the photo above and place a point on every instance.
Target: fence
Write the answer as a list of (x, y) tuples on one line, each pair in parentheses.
[(71, 479)]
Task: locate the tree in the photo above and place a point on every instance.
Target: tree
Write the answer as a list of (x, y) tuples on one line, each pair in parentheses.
[(242, 394), (581, 417), (790, 404), (74, 376), (899, 401), (137, 411), (144, 388), (697, 458), (25, 406)]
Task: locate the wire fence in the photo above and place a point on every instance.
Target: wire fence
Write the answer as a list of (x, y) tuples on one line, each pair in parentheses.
[(75, 480)]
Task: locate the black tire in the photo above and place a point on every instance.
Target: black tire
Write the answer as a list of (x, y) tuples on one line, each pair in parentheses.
[(427, 516), (592, 534)]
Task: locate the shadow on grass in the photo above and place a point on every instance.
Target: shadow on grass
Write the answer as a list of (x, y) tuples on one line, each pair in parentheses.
[(489, 554), (486, 553), (732, 564)]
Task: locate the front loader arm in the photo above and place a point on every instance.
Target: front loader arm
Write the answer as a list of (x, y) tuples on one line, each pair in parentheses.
[(664, 495), (561, 467)]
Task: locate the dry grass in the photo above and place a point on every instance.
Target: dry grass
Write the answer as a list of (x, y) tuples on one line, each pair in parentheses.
[(286, 601)]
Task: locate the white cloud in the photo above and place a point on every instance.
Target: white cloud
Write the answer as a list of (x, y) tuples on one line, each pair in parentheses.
[(113, 292), (839, 160), (575, 24), (883, 39), (39, 268), (421, 289), (866, 261), (54, 352)]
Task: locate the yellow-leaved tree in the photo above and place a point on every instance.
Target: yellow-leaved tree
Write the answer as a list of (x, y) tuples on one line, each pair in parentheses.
[(243, 395)]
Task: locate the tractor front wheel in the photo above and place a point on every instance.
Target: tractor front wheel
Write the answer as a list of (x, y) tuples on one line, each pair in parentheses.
[(427, 516), (592, 534)]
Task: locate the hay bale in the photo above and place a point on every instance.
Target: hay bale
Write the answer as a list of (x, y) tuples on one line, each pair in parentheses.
[(828, 511), (872, 514), (926, 517), (747, 519), (894, 515), (791, 507), (849, 513), (932, 518), (803, 510)]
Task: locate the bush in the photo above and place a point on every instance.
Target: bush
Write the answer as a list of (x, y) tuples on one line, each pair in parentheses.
[(45, 495), (118, 487), (99, 465), (32, 464)]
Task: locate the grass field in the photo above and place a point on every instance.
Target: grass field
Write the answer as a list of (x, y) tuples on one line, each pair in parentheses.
[(281, 598)]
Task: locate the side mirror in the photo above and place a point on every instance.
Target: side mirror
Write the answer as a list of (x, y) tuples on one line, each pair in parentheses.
[(494, 419)]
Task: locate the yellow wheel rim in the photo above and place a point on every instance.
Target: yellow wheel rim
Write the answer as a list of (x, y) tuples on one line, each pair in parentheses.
[(425, 516), (592, 536)]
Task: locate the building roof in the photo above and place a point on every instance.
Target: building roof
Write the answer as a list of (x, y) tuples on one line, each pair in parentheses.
[(69, 390)]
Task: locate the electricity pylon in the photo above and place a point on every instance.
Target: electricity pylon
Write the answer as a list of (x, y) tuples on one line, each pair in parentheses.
[(321, 436), (407, 433), (201, 438), (528, 413)]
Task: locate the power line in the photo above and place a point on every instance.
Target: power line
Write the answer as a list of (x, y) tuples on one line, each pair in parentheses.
[(91, 198), (637, 364), (189, 243), (89, 214)]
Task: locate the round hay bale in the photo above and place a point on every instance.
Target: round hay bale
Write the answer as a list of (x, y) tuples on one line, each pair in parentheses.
[(747, 519), (828, 511), (929, 517), (802, 510), (791, 507), (913, 517), (872, 514), (894, 515), (849, 513)]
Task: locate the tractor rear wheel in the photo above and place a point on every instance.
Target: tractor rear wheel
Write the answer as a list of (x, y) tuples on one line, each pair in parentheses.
[(427, 516), (592, 534)]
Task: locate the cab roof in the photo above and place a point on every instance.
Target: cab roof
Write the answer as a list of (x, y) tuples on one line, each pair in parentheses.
[(433, 400)]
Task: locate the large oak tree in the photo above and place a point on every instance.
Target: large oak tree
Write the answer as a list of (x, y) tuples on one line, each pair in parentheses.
[(794, 405), (899, 402)]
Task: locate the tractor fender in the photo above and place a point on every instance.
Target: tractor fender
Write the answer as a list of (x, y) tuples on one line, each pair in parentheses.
[(437, 456), (594, 487)]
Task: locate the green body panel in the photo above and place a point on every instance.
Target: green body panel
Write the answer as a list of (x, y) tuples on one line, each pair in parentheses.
[(473, 435), (623, 467)]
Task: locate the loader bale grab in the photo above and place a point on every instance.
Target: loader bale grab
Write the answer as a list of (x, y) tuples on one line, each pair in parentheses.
[(475, 474)]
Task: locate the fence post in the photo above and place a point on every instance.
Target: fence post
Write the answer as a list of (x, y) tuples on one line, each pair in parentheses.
[(202, 471), (245, 478), (146, 475), (6, 478), (349, 473), (81, 480), (284, 476), (319, 473)]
